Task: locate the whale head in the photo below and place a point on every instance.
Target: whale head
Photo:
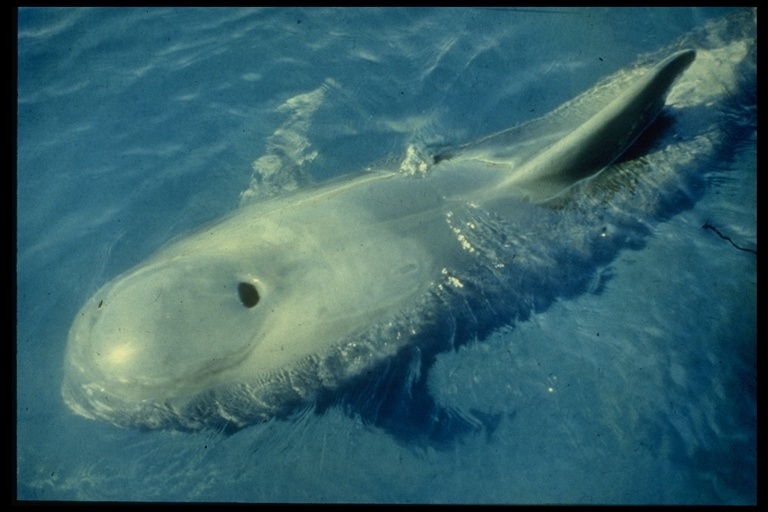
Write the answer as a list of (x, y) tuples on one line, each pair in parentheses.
[(249, 299)]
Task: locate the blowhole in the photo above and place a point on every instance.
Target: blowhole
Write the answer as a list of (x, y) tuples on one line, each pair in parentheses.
[(248, 294)]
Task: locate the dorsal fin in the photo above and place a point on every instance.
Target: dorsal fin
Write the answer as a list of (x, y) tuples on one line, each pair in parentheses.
[(545, 163), (604, 137)]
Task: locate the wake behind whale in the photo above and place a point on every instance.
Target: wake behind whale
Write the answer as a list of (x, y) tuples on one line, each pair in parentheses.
[(298, 295)]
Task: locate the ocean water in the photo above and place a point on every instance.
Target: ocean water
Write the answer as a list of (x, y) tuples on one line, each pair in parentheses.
[(137, 125)]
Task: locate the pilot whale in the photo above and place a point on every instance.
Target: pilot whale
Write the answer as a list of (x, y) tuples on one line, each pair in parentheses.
[(296, 295)]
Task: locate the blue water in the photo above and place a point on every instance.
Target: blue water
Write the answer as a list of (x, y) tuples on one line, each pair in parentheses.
[(136, 125)]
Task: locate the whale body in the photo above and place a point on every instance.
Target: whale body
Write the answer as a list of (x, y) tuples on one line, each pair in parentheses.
[(296, 295)]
